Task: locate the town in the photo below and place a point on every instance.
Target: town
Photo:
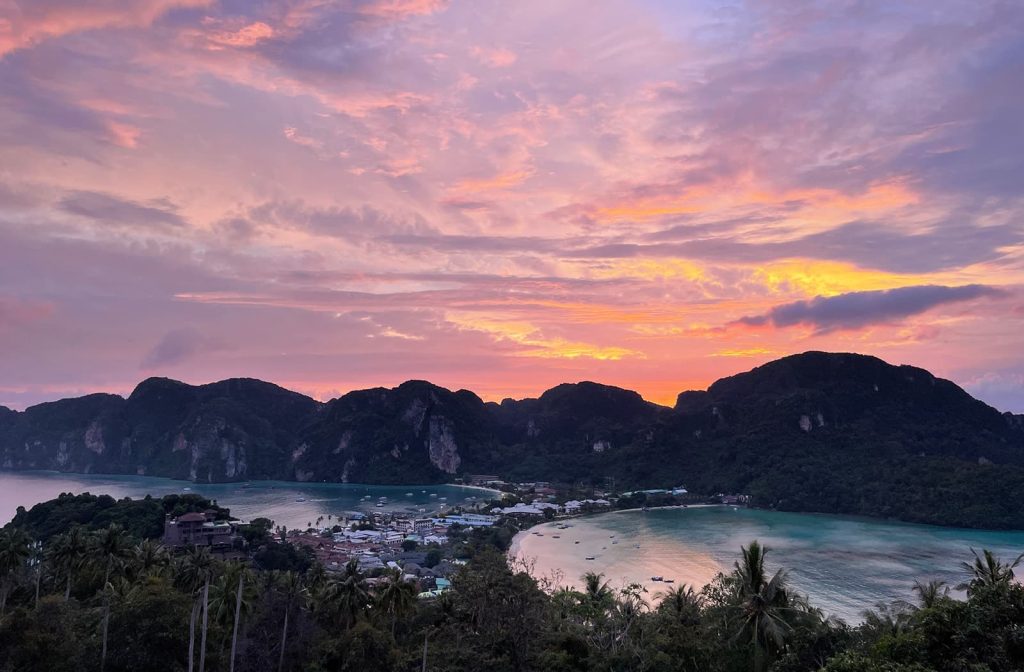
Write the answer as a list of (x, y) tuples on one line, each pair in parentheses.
[(426, 548)]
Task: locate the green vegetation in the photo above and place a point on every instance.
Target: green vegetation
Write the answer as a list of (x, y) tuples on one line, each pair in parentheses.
[(140, 518), (103, 600)]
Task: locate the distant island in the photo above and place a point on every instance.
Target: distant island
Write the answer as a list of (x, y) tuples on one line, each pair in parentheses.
[(816, 432)]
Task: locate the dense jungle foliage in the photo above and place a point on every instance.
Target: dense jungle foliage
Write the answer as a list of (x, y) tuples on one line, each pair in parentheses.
[(101, 598)]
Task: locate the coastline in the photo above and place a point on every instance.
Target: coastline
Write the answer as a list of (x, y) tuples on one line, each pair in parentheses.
[(290, 483), (289, 503), (841, 562)]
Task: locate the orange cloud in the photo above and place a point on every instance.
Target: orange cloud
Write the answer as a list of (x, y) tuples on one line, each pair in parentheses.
[(534, 342), (496, 183)]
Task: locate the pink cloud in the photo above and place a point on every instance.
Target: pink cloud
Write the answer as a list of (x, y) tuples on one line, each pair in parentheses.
[(246, 36), (26, 24), (495, 58), (400, 9), (593, 182)]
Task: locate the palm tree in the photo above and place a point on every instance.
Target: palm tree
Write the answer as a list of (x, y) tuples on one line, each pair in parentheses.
[(346, 595), (682, 603), (36, 557), (197, 569), (988, 571), (149, 558), (596, 591), (14, 551), (228, 600), (888, 619), (765, 611), (290, 585), (67, 552), (931, 593), (395, 596), (111, 545)]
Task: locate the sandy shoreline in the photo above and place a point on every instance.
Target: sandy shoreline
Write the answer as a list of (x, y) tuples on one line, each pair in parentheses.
[(520, 536)]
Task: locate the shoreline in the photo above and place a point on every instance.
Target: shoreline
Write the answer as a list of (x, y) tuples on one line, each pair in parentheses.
[(95, 474)]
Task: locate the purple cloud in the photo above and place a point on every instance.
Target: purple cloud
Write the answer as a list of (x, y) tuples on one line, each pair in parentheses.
[(860, 309), (177, 346), (115, 211)]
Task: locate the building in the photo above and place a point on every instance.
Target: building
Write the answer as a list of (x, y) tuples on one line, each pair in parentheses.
[(199, 529), (467, 520)]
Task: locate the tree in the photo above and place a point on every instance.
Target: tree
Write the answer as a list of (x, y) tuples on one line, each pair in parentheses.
[(290, 586), (765, 610), (395, 596), (147, 628), (67, 553), (149, 559), (409, 545), (230, 599), (196, 571), (14, 551), (988, 571), (931, 593), (111, 545), (434, 556), (682, 603), (347, 595)]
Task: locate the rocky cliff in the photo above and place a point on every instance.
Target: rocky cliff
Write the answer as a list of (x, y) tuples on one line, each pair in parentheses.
[(812, 432)]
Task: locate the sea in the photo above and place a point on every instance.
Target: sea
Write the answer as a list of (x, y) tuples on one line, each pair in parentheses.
[(843, 564), (293, 505)]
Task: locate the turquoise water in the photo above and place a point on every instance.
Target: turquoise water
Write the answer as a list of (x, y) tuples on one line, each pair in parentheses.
[(277, 500), (843, 564)]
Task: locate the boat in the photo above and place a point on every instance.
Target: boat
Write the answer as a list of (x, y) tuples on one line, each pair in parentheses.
[(589, 557), (555, 536), (408, 494), (575, 542), (657, 578), (615, 542), (380, 505), (670, 580), (300, 499)]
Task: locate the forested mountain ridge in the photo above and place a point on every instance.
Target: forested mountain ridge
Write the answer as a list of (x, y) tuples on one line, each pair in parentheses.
[(827, 432)]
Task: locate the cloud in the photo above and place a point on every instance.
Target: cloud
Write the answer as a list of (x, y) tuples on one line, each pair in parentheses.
[(494, 58), (856, 310), (115, 211), (944, 245), (28, 23), (15, 311), (177, 346)]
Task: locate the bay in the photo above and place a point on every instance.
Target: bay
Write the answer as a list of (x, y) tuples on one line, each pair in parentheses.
[(844, 564), (294, 505)]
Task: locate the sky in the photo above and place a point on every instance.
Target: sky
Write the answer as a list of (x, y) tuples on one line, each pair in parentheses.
[(503, 196)]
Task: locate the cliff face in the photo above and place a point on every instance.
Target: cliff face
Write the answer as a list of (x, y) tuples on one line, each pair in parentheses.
[(817, 431)]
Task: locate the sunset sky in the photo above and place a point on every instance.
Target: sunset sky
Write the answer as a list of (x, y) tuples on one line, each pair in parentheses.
[(506, 195)]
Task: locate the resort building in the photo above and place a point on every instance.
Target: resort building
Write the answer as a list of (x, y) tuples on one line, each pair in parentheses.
[(199, 529)]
